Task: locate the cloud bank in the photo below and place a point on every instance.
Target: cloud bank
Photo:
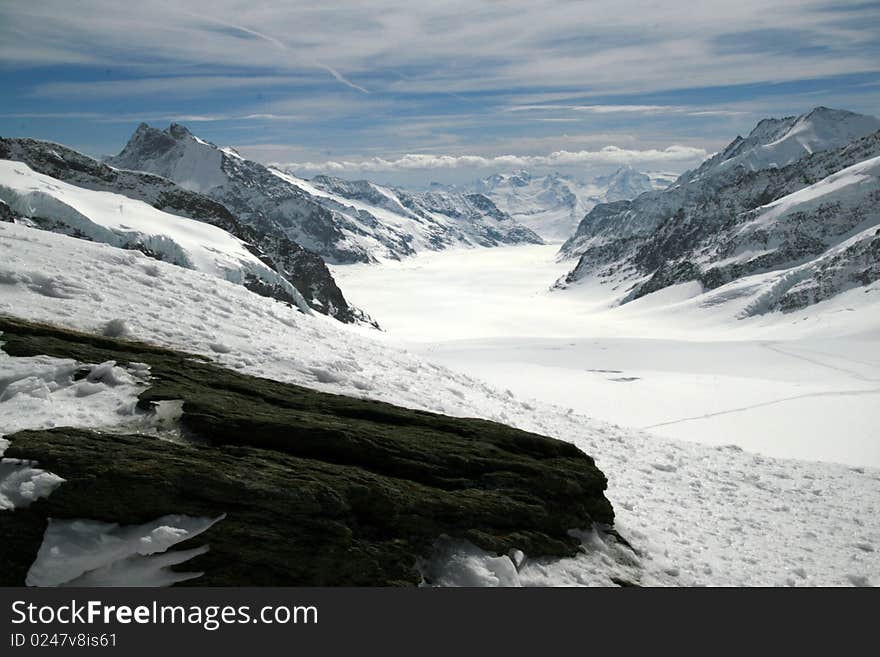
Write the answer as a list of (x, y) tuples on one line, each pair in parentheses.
[(609, 155)]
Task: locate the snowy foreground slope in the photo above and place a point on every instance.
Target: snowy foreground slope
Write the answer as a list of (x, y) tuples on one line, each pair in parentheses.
[(696, 514)]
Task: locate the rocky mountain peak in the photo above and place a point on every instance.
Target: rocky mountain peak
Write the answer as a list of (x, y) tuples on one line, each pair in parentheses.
[(778, 142), (179, 131)]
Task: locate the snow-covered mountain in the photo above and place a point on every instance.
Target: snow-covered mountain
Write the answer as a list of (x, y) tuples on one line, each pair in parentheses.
[(432, 220), (724, 221), (119, 221), (775, 143), (343, 222), (304, 269), (553, 204)]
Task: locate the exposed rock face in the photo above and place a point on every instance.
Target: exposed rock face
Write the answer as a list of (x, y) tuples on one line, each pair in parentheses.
[(721, 222), (344, 222), (304, 269), (6, 213), (431, 220), (318, 489)]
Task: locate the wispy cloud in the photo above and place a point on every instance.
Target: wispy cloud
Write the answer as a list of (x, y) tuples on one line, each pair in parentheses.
[(282, 46), (180, 86), (520, 44), (336, 74), (116, 117), (599, 109)]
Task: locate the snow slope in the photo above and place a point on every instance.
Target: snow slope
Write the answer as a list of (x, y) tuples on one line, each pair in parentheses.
[(124, 222), (696, 514)]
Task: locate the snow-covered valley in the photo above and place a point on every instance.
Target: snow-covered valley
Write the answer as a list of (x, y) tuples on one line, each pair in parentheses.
[(696, 514), (797, 385)]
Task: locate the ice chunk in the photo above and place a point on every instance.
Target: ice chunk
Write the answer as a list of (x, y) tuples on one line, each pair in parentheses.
[(22, 483), (94, 553), (461, 563)]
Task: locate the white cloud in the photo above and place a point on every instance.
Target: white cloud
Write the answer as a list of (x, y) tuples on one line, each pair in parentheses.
[(609, 155)]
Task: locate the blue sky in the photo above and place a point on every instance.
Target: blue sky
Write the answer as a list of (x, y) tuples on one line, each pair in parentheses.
[(408, 93)]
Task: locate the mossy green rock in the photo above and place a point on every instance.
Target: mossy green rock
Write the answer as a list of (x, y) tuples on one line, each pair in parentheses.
[(319, 489)]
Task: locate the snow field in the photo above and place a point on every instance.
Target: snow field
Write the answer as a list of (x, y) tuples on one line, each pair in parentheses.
[(678, 362)]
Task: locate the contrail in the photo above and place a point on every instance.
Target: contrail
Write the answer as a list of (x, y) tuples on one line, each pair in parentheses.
[(336, 74), (266, 37), (278, 44)]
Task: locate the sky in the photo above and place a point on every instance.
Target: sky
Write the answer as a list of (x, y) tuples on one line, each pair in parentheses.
[(411, 92)]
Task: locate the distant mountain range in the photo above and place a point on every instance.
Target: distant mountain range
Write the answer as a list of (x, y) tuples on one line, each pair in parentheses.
[(553, 204), (794, 204)]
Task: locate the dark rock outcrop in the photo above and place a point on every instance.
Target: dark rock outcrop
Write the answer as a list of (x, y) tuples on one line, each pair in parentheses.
[(318, 489), (6, 213)]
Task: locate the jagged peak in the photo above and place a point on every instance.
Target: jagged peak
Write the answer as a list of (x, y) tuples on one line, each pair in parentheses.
[(179, 131), (829, 112), (771, 121)]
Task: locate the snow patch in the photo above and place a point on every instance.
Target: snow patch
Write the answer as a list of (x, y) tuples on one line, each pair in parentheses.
[(461, 563)]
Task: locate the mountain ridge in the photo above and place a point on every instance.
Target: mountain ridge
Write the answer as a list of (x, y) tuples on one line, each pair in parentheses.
[(304, 269), (692, 229), (553, 204), (339, 228)]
